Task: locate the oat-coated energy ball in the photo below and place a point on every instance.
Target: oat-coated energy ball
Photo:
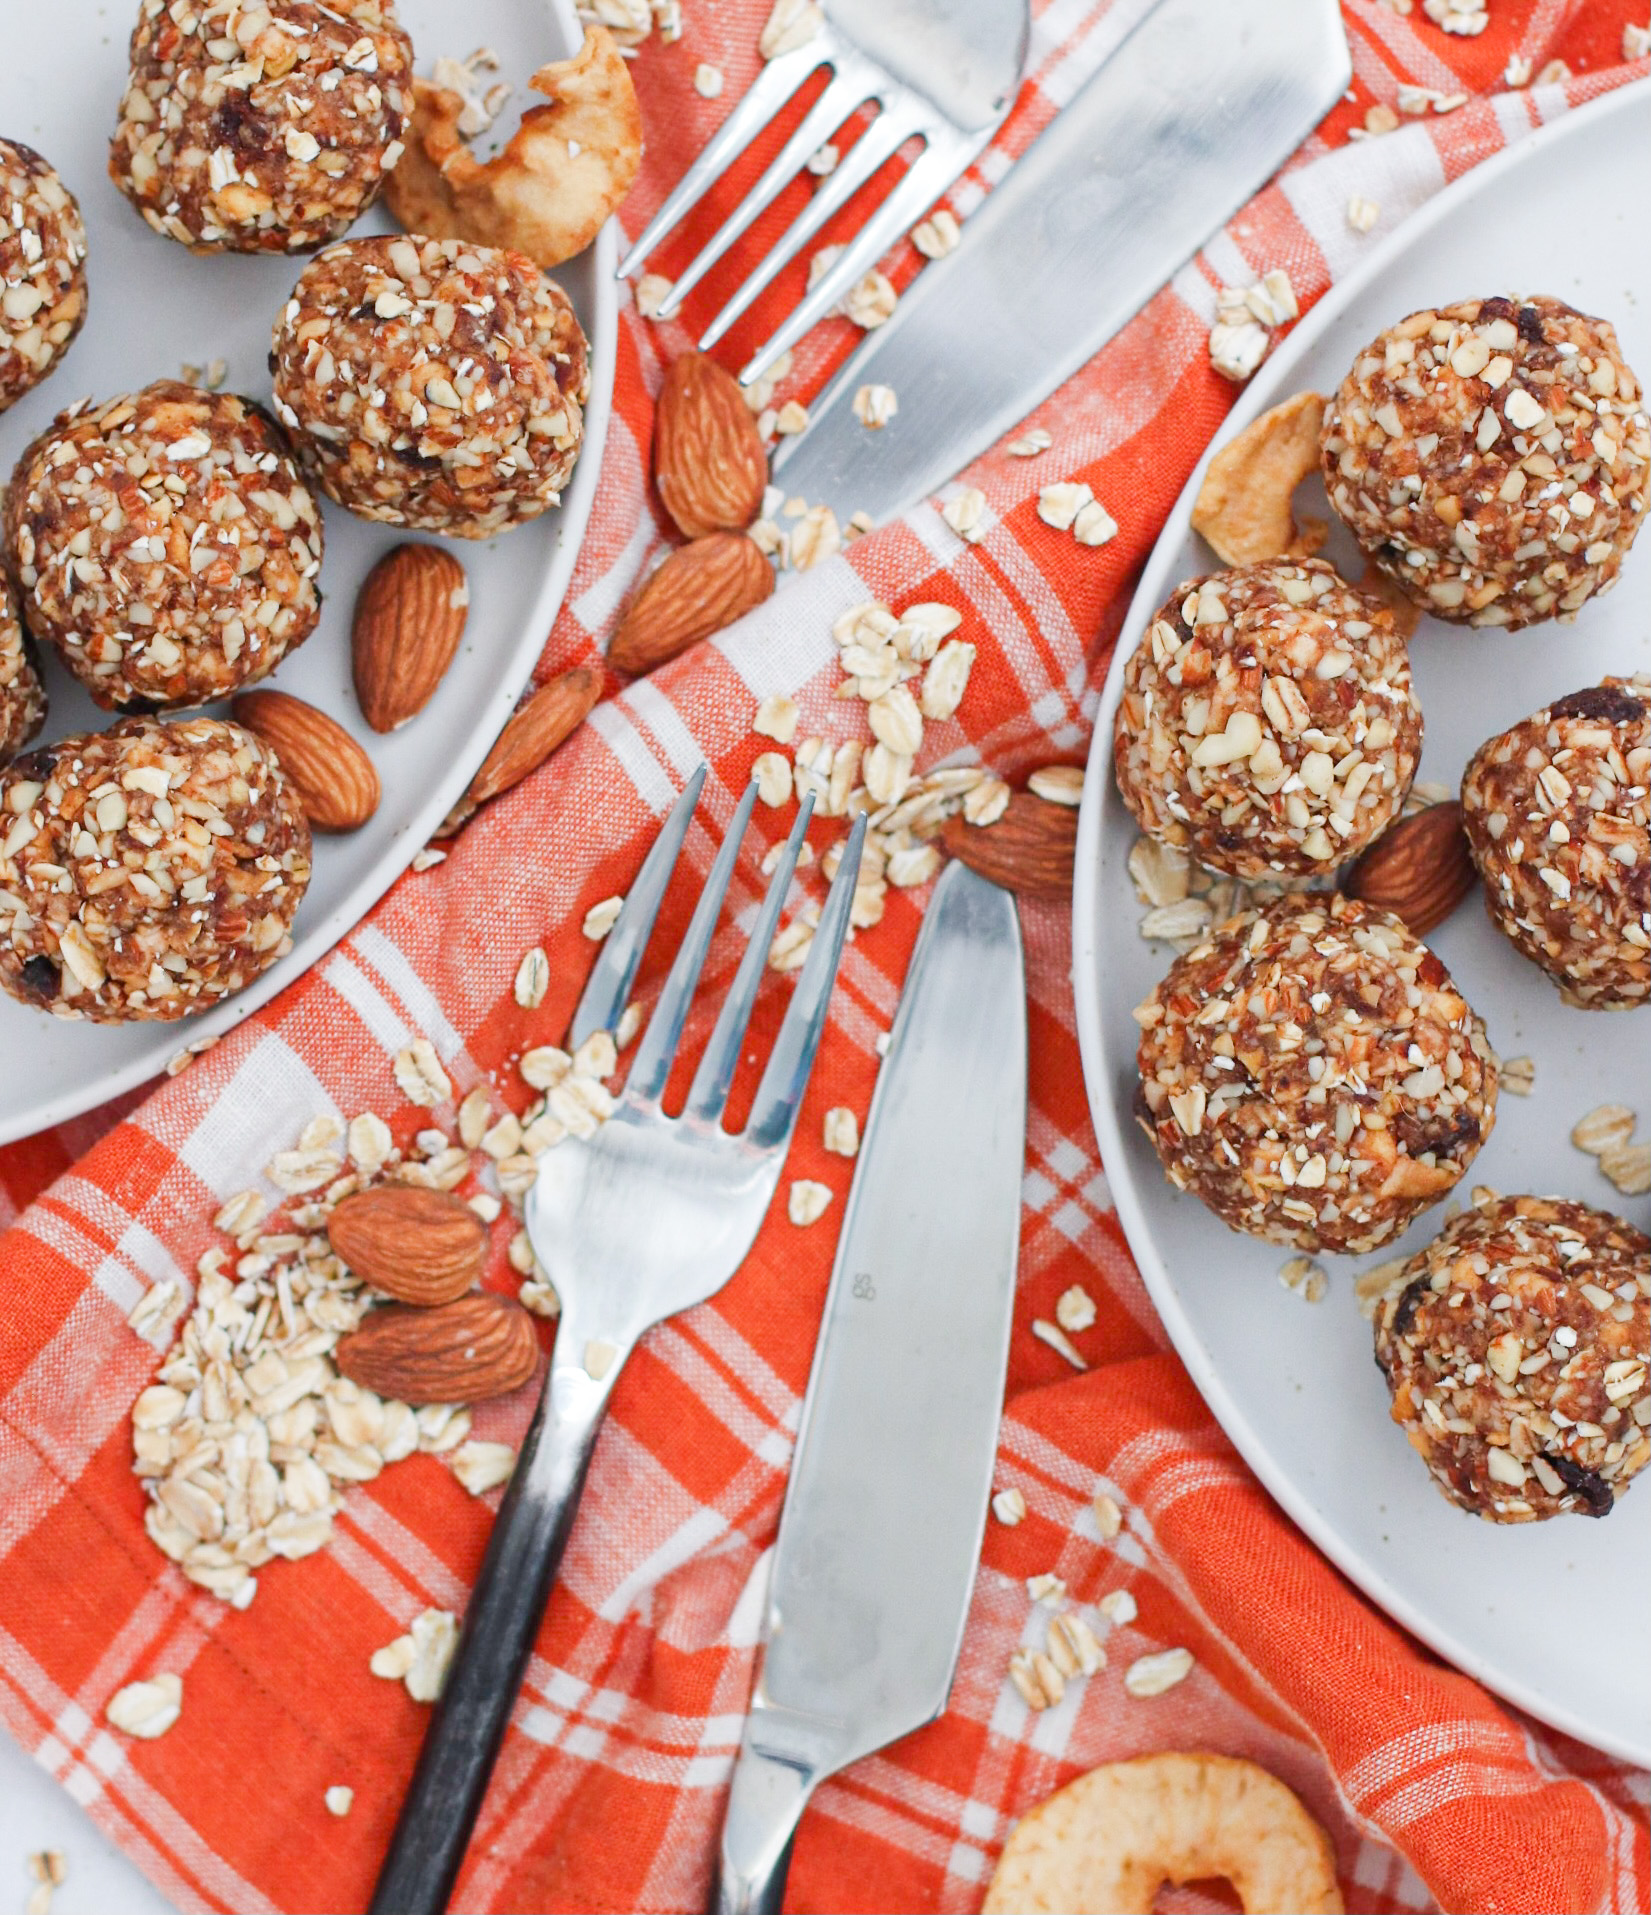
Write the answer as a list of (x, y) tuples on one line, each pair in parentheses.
[(1516, 1347), (261, 128), (147, 871), (1492, 458), (1558, 815), (22, 696), (1312, 1074), (432, 383), (1268, 723), (165, 543), (42, 270)]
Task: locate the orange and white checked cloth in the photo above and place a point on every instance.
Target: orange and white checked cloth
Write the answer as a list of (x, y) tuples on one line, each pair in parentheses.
[(610, 1789)]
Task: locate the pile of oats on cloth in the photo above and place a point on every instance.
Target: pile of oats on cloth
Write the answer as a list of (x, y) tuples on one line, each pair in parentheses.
[(1221, 1627)]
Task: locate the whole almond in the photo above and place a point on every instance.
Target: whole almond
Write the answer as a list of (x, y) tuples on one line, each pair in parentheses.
[(1029, 850), (709, 462), (461, 1352), (419, 1246), (408, 622), (544, 720), (1420, 870), (698, 590), (334, 778)]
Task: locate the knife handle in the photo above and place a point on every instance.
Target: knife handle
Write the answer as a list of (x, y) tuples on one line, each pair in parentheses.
[(500, 1623), (765, 1803)]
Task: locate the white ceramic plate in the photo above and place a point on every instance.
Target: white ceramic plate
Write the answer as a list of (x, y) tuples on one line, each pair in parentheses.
[(155, 307), (1539, 1612)]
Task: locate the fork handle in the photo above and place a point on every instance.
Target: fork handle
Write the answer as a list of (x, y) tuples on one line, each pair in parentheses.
[(500, 1623)]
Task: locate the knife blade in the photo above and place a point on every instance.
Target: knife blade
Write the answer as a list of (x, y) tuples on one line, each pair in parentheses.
[(886, 1506), (1189, 117)]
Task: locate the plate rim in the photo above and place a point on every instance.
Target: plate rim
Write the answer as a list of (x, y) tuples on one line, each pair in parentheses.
[(318, 939), (1087, 952)]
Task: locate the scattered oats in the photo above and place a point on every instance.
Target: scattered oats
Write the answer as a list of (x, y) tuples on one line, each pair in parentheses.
[(1059, 504), (1607, 1127), (475, 1115), (791, 419), (791, 24), (1161, 873), (601, 918), (772, 772), (427, 857), (1628, 1166), (821, 262), (1109, 1518), (1074, 1648), (1029, 444), (777, 718), (441, 1427), (1237, 348), (600, 1357), (340, 1799), (1057, 784), (180, 1061), (1094, 525), (789, 951), (883, 1041), (823, 160), (1047, 1588), (987, 802), (1075, 1309), (1152, 1675), (532, 979), (1517, 72), (859, 524), (435, 1634), (815, 538), (369, 1141), (157, 1309), (871, 301), (538, 1295), (1518, 1076), (1036, 1677), (1555, 73), (393, 1661), (793, 508), (947, 679), (485, 1205), (1188, 919), (1057, 1339), (299, 1171), (707, 80), (420, 1075), (544, 1067), (842, 1131), (964, 513), (807, 1201), (240, 1214), (1380, 119), (1636, 41), (651, 292), (1009, 1507), (1362, 213), (938, 235), (147, 1709), (630, 1022), (875, 406), (1306, 1278), (483, 1466), (1370, 1286)]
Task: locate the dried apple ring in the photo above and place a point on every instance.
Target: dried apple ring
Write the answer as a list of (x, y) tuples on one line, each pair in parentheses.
[(1243, 506)]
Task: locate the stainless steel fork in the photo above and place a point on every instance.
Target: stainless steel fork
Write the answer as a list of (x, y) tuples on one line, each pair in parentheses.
[(649, 1216), (942, 71)]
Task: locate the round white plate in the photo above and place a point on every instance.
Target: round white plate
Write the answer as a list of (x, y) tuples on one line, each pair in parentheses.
[(1539, 1612), (154, 308)]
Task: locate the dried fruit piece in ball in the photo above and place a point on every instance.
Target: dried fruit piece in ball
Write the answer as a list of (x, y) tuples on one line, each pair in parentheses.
[(147, 871), (1268, 724), (22, 696), (261, 129), (432, 383), (42, 270), (1516, 1346), (1492, 457), (1311, 1073), (165, 544), (1558, 817)]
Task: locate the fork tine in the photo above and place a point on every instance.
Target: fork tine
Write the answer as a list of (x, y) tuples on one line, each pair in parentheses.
[(843, 94), (658, 1047), (926, 179), (762, 100), (709, 1095), (774, 1114), (609, 988), (896, 124)]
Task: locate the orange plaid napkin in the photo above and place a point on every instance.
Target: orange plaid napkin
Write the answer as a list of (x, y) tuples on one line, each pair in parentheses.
[(610, 1789)]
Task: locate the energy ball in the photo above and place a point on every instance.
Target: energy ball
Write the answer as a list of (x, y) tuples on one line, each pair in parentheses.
[(1310, 1072), (1268, 723), (265, 128), (166, 544), (42, 270), (22, 696), (1558, 818), (147, 871), (1492, 458), (432, 383), (1516, 1348)]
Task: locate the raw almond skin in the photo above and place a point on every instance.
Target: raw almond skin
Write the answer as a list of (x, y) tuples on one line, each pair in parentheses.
[(700, 588), (408, 623), (1420, 870), (709, 463), (478, 1346), (336, 782), (544, 720), (419, 1246), (1030, 850)]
